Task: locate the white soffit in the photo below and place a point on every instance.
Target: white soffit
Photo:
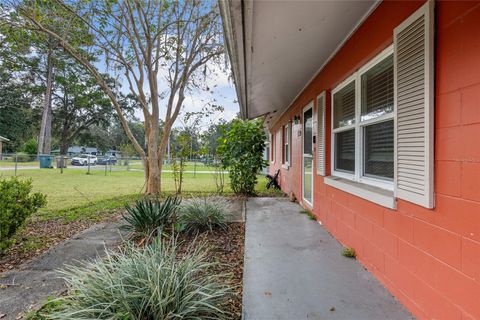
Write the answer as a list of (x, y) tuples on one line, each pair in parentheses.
[(287, 42)]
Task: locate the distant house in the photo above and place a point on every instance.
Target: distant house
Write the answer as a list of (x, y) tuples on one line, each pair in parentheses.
[(113, 153), (2, 139), (72, 151)]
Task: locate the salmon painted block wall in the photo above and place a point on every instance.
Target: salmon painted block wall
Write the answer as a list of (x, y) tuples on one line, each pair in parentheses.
[(429, 259)]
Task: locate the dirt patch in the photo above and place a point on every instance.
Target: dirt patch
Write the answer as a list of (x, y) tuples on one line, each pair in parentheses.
[(227, 248), (38, 236)]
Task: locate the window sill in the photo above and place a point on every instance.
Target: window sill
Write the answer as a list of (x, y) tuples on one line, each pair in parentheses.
[(285, 166), (373, 194)]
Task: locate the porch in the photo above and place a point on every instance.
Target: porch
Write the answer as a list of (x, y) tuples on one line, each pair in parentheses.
[(294, 270)]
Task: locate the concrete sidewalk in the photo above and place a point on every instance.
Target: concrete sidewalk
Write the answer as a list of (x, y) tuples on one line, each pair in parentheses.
[(294, 270), (35, 281)]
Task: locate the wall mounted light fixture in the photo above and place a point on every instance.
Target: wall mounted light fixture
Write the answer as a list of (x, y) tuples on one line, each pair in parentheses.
[(296, 119)]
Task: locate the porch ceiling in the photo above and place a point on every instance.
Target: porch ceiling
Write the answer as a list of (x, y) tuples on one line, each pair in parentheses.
[(277, 47)]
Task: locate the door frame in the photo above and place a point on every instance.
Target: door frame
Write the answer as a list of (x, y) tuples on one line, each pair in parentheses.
[(309, 106)]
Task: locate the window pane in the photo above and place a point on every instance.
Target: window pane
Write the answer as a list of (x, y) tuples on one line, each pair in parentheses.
[(307, 135), (378, 154), (345, 151), (344, 106), (377, 90)]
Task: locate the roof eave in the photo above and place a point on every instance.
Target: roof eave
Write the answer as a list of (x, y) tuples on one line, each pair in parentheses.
[(234, 42)]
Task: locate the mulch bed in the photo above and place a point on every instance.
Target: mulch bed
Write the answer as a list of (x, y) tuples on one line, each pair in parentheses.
[(226, 247), (46, 234)]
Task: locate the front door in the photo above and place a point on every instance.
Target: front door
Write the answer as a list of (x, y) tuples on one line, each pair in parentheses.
[(307, 168)]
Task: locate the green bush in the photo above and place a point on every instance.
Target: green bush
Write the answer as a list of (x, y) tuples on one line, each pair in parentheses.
[(149, 215), (17, 203), (150, 283), (241, 150), (30, 146), (202, 214)]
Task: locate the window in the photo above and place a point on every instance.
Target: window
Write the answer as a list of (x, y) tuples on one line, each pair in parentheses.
[(363, 124), (286, 144)]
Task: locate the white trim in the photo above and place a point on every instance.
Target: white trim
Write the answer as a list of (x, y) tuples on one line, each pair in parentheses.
[(373, 194), (334, 53), (309, 106), (358, 125), (322, 142)]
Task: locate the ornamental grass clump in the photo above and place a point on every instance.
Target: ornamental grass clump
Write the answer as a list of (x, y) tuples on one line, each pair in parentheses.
[(149, 215), (145, 283), (203, 214)]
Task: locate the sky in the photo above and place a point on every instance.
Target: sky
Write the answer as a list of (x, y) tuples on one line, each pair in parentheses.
[(222, 92)]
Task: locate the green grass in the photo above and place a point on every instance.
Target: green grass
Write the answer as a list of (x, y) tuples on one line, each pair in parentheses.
[(348, 252), (11, 164), (309, 214), (135, 164), (74, 194)]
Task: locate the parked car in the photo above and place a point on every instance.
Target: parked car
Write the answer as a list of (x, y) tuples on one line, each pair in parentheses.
[(107, 160), (84, 159)]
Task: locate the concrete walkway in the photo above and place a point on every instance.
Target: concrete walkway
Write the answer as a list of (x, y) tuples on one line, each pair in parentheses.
[(294, 270), (35, 281)]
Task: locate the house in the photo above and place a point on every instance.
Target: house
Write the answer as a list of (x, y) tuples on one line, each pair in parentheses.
[(2, 139), (76, 150), (373, 110)]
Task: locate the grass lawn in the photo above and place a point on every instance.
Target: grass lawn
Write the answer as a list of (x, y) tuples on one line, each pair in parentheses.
[(11, 164), (74, 189), (76, 200), (191, 166)]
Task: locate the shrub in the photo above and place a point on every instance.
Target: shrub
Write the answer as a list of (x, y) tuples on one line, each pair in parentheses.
[(149, 215), (203, 214), (30, 146), (241, 150), (149, 283), (17, 203)]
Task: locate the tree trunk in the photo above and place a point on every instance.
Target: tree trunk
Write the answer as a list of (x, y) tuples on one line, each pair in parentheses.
[(45, 136), (64, 144)]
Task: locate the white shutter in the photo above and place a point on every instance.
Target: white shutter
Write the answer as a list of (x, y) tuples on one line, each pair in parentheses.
[(321, 134), (413, 44)]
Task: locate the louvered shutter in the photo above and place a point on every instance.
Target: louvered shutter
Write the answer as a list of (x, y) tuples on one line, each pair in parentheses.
[(321, 134), (413, 44)]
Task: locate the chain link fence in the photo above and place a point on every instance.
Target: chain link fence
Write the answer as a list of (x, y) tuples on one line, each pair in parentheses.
[(14, 163)]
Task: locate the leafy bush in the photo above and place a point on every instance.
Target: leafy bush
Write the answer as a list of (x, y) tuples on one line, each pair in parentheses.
[(149, 215), (149, 283), (241, 150), (17, 203), (203, 214), (30, 146)]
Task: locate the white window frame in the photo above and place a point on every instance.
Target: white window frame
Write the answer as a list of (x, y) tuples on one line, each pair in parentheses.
[(286, 144), (359, 126)]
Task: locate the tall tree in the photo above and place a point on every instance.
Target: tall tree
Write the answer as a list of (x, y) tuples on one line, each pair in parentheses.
[(78, 103), (153, 43)]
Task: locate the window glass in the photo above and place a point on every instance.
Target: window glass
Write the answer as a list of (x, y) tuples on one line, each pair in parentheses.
[(345, 151), (307, 128), (344, 106), (377, 90), (378, 150)]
